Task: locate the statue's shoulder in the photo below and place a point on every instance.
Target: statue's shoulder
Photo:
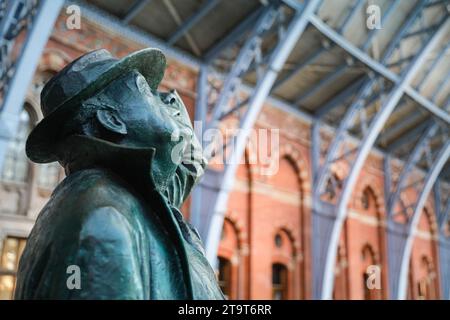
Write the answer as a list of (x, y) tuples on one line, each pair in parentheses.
[(95, 185), (87, 190)]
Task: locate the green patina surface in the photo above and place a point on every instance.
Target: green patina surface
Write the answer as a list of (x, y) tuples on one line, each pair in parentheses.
[(116, 215)]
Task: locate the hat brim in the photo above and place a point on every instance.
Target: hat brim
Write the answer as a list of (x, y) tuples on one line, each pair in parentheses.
[(43, 140)]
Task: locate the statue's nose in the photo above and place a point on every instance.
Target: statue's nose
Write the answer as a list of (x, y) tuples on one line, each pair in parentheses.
[(170, 98)]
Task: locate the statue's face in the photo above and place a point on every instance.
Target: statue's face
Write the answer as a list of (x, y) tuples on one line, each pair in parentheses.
[(152, 119)]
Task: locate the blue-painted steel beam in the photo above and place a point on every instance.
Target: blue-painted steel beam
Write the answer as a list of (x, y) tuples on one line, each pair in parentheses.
[(436, 3), (372, 33), (410, 163), (421, 31), (262, 90), (233, 36), (340, 98), (430, 179), (444, 259), (409, 121), (7, 19), (396, 129), (201, 110), (299, 67), (441, 85), (193, 20), (351, 13), (337, 100), (429, 105), (365, 91), (408, 136), (367, 143), (315, 148), (400, 62), (135, 8), (405, 27), (443, 218), (433, 65), (315, 55), (296, 5), (387, 178), (378, 67), (415, 117), (27, 61), (325, 81), (243, 61), (437, 201)]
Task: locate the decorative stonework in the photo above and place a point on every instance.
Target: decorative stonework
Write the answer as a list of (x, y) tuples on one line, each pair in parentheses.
[(301, 166), (368, 182), (234, 219)]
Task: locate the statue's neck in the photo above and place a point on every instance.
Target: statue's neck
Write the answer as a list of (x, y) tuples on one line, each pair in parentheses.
[(142, 168)]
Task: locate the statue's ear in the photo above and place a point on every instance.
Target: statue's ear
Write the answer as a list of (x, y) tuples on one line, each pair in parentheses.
[(111, 121)]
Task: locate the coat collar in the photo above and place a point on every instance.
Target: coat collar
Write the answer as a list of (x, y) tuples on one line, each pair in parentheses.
[(134, 165)]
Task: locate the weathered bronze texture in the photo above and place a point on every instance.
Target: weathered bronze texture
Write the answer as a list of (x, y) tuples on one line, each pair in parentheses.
[(116, 217)]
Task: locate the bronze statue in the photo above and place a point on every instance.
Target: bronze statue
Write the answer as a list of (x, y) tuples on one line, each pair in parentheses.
[(115, 217)]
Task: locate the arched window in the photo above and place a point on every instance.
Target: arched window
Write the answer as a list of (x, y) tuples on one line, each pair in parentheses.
[(279, 282), (365, 199), (16, 165), (224, 276), (9, 261), (427, 286), (333, 188)]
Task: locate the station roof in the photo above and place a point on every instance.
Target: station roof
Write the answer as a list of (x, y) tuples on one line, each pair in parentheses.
[(319, 77)]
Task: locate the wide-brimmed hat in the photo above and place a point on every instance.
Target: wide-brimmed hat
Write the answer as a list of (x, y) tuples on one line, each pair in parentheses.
[(62, 96)]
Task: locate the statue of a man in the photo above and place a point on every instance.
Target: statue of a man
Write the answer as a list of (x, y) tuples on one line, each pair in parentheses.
[(112, 229)]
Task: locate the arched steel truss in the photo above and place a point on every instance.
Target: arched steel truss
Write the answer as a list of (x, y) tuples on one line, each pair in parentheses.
[(249, 53), (401, 234), (443, 212), (329, 228), (214, 191), (37, 18)]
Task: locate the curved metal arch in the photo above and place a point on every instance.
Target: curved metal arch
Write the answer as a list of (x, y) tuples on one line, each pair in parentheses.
[(365, 91), (442, 214), (322, 225), (410, 163), (38, 31), (262, 90), (363, 151), (398, 233), (430, 179), (444, 217)]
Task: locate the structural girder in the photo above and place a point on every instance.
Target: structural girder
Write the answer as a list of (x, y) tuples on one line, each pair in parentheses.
[(400, 290), (401, 84), (37, 18), (278, 57)]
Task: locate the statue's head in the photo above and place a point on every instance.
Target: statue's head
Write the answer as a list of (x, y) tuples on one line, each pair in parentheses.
[(110, 100)]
